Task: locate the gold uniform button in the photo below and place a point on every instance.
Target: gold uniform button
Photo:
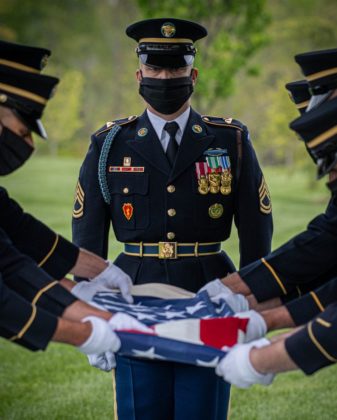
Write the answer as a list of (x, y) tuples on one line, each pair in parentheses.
[(125, 190), (171, 188), (171, 235), (171, 212)]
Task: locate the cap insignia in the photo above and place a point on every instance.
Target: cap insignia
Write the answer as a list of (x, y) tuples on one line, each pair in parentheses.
[(168, 30)]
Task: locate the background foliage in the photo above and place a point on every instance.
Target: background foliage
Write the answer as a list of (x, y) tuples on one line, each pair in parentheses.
[(244, 62)]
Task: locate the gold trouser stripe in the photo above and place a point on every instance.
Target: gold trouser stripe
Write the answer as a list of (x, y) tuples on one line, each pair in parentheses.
[(50, 252), (114, 394), (276, 277), (322, 73), (322, 137), (229, 405), (43, 290), (24, 93), (317, 301), (167, 40), (318, 345), (26, 326), (302, 104), (18, 66), (323, 322), (298, 291)]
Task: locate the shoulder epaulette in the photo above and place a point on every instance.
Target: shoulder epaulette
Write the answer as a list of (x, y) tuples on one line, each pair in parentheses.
[(110, 124), (223, 122)]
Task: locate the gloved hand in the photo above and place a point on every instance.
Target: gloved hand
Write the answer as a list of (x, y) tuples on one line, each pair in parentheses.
[(101, 339), (256, 327), (122, 321), (215, 287), (110, 278), (236, 367), (113, 277), (237, 302), (104, 361)]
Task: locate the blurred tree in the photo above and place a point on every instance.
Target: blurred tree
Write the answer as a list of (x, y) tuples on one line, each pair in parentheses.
[(96, 62), (63, 114), (262, 102), (236, 30)]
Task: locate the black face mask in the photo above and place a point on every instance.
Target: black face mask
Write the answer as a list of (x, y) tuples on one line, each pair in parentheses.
[(14, 151), (166, 95)]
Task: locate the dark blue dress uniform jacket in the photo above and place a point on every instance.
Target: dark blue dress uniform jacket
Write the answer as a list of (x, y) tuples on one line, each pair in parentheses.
[(150, 198), (306, 307), (315, 345), (305, 262), (30, 299), (31, 237), (32, 260), (23, 322)]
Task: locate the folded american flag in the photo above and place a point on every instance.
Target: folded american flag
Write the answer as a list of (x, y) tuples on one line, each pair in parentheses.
[(195, 330)]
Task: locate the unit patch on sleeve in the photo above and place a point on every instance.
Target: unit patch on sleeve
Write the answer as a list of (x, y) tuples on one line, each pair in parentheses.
[(264, 197)]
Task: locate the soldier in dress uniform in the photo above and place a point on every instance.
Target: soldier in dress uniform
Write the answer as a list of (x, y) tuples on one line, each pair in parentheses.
[(171, 182), (308, 260), (313, 346), (33, 257), (299, 93)]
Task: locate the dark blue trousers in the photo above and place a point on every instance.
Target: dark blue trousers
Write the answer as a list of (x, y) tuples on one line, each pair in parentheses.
[(156, 390)]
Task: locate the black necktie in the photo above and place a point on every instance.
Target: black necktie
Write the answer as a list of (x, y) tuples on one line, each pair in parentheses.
[(171, 151)]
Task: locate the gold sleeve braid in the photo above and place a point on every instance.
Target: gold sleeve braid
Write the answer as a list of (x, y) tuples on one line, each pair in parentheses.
[(30, 321)]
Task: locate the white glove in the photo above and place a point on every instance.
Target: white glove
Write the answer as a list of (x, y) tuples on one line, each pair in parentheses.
[(104, 361), (101, 339), (236, 367), (256, 327), (113, 277), (215, 287), (110, 278), (122, 321), (237, 302)]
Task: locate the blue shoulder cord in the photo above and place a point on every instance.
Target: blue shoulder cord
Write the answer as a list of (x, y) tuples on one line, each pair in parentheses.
[(103, 158)]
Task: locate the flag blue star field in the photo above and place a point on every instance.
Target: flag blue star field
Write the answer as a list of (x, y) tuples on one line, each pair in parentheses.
[(195, 330)]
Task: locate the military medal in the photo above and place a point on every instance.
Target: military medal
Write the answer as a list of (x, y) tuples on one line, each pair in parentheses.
[(226, 180), (226, 176), (215, 211), (127, 210), (201, 171), (214, 179)]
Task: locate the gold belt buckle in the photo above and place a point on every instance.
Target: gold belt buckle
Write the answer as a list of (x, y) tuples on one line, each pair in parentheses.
[(167, 250)]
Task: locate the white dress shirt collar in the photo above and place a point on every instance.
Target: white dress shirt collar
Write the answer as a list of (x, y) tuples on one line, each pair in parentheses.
[(158, 124)]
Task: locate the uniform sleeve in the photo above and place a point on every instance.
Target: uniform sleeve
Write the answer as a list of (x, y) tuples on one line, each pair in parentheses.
[(22, 275), (311, 304), (304, 259), (253, 216), (315, 345), (24, 323), (90, 224), (50, 251)]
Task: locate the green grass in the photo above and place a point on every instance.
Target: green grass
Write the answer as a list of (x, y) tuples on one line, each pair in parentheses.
[(59, 384)]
